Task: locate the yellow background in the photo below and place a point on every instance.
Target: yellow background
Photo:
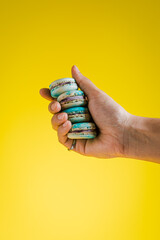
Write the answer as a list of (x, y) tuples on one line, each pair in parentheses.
[(47, 192)]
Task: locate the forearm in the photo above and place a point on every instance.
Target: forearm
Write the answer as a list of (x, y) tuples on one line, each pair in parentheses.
[(142, 138)]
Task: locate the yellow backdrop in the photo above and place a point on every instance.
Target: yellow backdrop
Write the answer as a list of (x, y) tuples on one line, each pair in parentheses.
[(47, 192)]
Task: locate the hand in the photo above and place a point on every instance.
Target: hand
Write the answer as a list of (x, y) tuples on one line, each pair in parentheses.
[(110, 118)]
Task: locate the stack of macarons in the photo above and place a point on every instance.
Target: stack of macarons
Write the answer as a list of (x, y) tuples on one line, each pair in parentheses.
[(74, 103)]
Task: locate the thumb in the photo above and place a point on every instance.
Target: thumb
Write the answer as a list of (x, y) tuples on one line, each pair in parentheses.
[(84, 83)]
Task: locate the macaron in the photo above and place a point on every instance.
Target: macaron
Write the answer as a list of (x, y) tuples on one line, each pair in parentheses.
[(62, 85), (85, 130), (78, 114), (73, 98)]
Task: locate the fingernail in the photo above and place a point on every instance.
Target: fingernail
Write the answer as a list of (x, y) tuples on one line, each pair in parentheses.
[(65, 124), (53, 106), (60, 116), (76, 68)]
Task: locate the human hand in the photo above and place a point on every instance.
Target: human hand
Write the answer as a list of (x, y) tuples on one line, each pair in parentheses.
[(110, 118)]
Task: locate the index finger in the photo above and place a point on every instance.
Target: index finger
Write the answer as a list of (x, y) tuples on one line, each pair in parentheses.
[(45, 93)]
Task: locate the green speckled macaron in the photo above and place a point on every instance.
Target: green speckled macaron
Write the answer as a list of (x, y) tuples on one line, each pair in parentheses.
[(72, 98), (85, 130), (78, 114), (62, 85)]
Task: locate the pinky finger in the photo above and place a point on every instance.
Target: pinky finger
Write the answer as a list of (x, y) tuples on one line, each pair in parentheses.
[(62, 134)]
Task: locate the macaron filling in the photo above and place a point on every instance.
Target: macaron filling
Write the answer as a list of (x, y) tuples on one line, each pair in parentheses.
[(60, 84), (71, 98), (80, 114), (70, 93), (76, 110), (82, 130)]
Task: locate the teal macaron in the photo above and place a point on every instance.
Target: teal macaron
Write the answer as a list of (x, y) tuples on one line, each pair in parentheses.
[(73, 98), (85, 130), (62, 85), (78, 114)]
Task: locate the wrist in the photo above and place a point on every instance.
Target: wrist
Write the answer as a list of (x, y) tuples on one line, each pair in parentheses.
[(128, 128), (141, 138)]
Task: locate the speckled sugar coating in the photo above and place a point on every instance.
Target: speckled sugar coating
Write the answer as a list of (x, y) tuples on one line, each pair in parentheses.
[(78, 114), (72, 98), (62, 85), (85, 130)]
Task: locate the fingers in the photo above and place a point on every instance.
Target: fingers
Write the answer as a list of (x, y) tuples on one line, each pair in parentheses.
[(62, 126), (84, 83), (62, 134), (45, 93), (58, 119), (54, 107)]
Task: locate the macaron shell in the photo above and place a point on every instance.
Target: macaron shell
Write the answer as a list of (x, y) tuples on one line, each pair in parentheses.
[(61, 80), (72, 93), (81, 135), (55, 92), (74, 103), (80, 118), (83, 126)]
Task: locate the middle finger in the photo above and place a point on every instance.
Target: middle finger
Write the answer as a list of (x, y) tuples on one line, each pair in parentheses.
[(58, 119)]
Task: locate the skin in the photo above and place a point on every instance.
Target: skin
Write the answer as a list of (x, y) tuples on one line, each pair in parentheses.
[(121, 134)]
